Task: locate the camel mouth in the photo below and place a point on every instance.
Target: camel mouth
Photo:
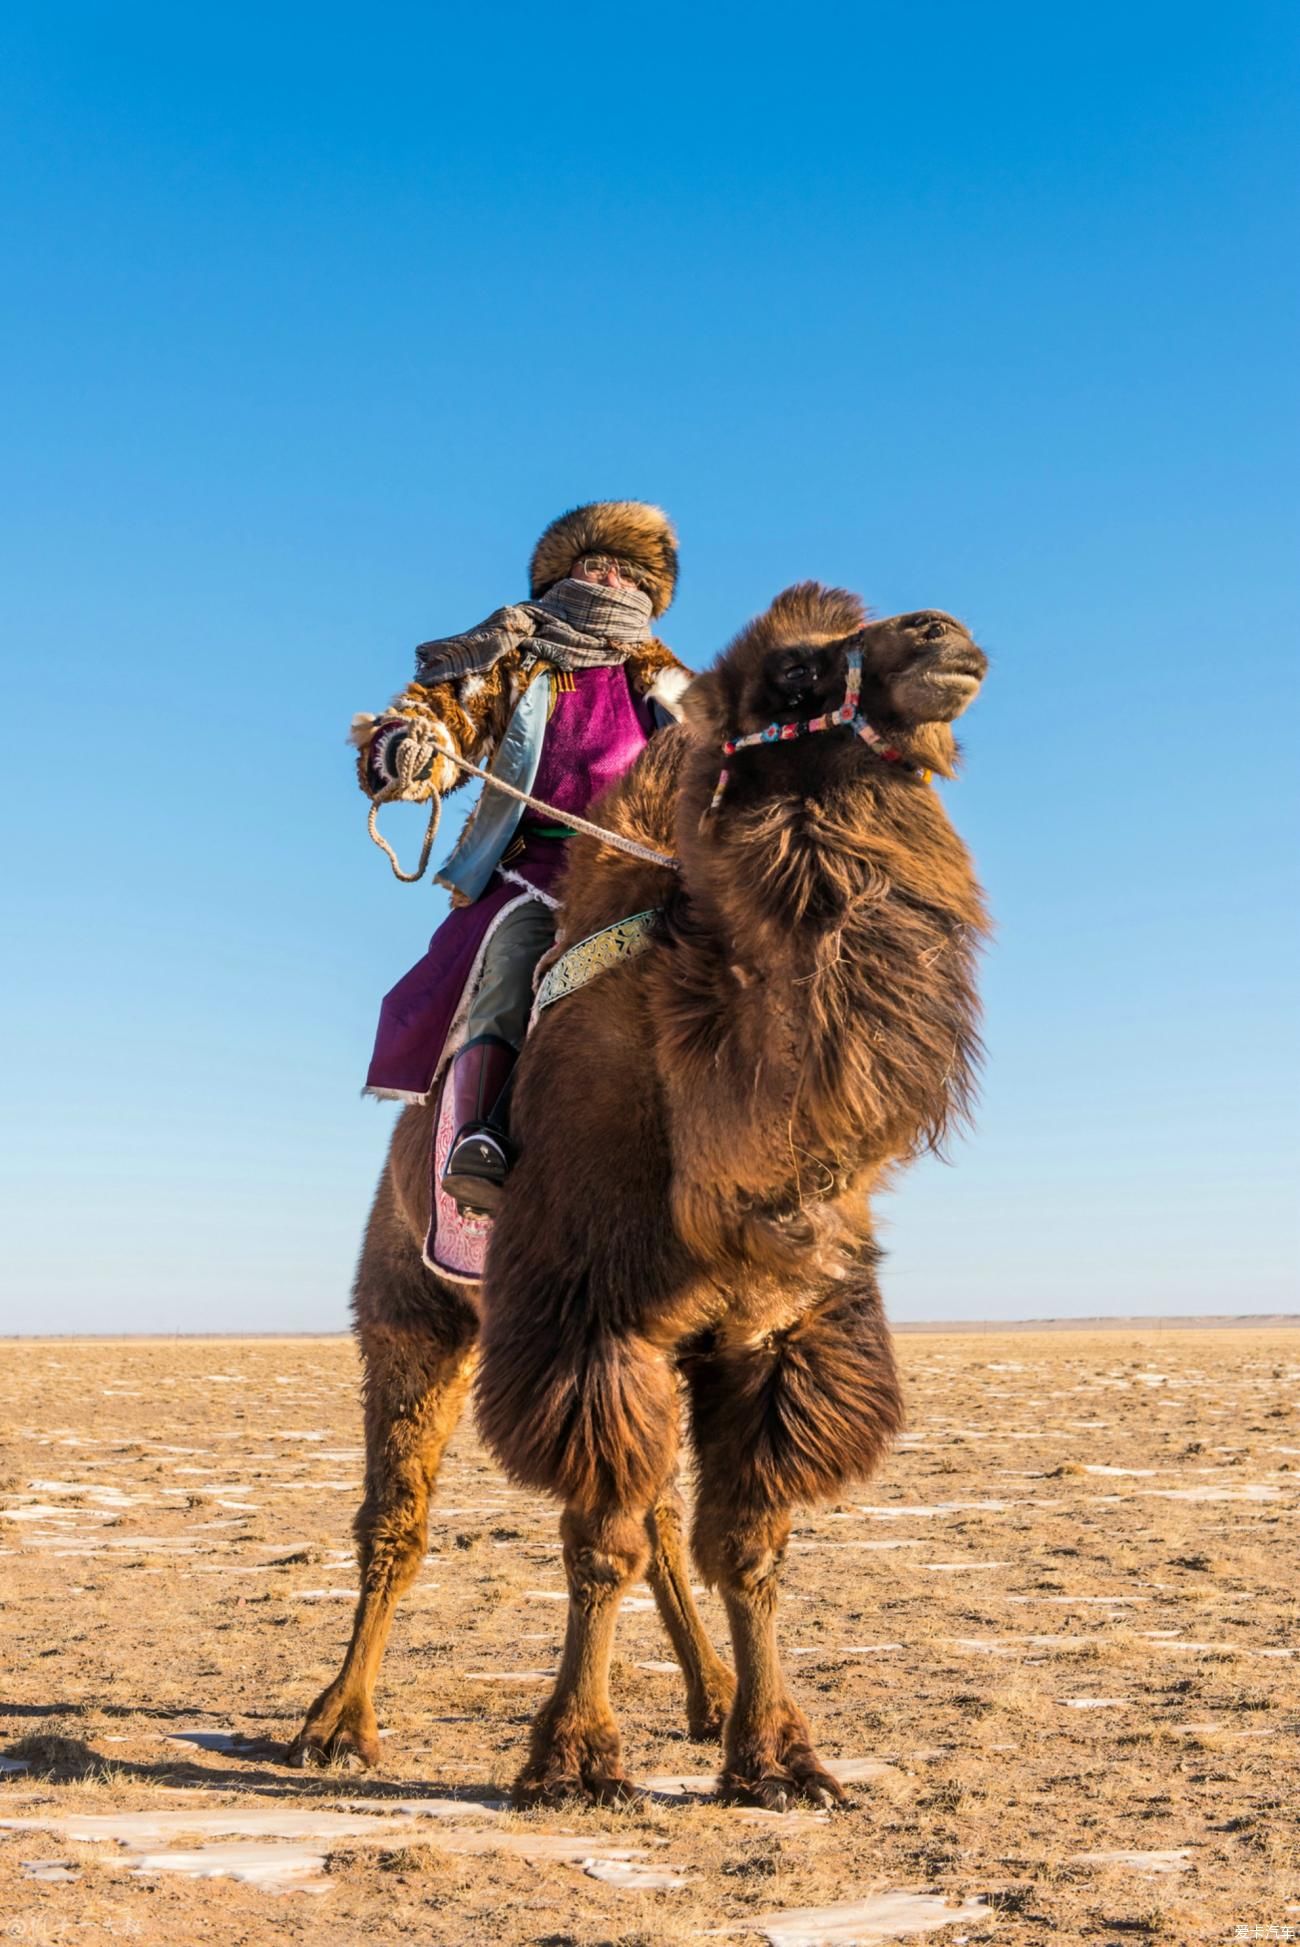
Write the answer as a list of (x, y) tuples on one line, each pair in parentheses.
[(958, 670), (965, 658), (942, 688)]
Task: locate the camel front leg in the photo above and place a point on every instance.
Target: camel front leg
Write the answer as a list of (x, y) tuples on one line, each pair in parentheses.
[(785, 1421), (768, 1755), (710, 1685), (575, 1750)]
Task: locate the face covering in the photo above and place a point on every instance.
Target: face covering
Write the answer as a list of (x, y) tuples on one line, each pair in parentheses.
[(575, 625), (583, 624)]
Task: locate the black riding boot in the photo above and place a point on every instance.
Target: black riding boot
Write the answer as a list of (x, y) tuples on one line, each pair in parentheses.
[(480, 1157)]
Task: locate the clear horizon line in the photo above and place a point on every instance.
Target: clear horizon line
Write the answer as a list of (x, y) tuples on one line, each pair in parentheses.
[(1107, 1321)]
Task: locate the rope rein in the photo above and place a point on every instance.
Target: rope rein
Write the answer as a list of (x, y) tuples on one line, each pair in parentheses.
[(408, 757), (414, 752)]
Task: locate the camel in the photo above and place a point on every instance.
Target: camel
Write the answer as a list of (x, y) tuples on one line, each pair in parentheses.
[(688, 1234)]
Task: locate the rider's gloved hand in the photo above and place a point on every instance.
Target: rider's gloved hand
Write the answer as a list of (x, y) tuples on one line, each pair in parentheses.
[(402, 758)]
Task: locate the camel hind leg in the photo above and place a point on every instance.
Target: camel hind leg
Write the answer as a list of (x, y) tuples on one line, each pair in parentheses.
[(417, 1349), (710, 1685)]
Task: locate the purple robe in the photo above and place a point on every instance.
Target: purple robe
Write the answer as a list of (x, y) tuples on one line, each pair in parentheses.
[(596, 729)]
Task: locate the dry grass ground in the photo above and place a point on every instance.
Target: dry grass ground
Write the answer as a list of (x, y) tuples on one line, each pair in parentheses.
[(1060, 1625)]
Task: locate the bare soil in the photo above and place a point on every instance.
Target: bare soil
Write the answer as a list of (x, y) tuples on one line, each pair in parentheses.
[(1052, 1645)]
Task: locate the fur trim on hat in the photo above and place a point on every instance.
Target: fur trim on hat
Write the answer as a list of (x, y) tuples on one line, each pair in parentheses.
[(627, 527)]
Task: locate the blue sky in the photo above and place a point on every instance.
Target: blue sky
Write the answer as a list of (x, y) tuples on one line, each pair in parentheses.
[(314, 316)]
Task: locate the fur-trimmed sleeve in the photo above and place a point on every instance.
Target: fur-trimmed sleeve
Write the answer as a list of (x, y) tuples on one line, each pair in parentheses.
[(467, 717), (656, 673)]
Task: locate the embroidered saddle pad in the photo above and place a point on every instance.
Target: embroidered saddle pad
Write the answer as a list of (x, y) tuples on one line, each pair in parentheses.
[(456, 1246)]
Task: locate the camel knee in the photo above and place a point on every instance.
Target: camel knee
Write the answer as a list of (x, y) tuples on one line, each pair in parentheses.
[(738, 1552), (665, 1525), (603, 1552), (391, 1533)]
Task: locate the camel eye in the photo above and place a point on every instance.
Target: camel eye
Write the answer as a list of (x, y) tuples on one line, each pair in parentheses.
[(933, 631), (794, 673)]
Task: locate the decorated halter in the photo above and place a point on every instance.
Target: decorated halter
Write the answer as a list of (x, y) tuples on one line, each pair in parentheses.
[(848, 713)]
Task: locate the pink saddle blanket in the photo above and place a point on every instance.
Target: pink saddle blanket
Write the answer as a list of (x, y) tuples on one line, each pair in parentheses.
[(456, 1246)]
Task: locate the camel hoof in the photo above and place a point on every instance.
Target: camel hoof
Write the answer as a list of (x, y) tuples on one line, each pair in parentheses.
[(706, 1715), (306, 1752), (780, 1791), (705, 1727), (772, 1793), (570, 1788), (334, 1732)]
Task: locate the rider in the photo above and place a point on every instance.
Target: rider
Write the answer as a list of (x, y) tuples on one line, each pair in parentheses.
[(556, 696)]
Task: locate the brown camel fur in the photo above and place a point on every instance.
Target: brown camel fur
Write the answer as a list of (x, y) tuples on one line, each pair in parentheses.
[(688, 1220)]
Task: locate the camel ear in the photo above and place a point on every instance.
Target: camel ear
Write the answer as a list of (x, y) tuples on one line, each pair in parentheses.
[(701, 707)]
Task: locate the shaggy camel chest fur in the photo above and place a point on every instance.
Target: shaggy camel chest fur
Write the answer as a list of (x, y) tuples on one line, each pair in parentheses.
[(687, 1249)]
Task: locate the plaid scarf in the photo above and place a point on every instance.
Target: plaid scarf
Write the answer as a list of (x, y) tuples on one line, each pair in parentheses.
[(575, 625)]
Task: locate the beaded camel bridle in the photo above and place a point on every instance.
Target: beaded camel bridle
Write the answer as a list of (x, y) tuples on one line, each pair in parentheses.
[(848, 713)]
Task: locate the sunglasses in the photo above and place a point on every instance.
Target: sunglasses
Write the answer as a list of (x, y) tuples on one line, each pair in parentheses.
[(600, 564)]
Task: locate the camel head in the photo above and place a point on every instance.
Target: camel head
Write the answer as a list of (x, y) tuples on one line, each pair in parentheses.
[(920, 668), (919, 672)]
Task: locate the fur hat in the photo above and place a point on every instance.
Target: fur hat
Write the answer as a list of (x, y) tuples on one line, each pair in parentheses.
[(633, 528)]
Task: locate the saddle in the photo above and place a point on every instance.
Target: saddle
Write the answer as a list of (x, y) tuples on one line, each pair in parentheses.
[(456, 1246)]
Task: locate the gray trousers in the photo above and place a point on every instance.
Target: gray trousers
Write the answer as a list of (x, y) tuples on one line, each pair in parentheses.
[(504, 999)]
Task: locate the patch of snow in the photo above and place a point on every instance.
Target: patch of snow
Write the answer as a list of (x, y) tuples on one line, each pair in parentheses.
[(958, 1568), (626, 1872), (437, 1808), (142, 1828), (508, 1676), (845, 1649), (1069, 1601), (1176, 1860), (211, 1740), (1242, 1493), (862, 1923), (941, 1507), (275, 1869)]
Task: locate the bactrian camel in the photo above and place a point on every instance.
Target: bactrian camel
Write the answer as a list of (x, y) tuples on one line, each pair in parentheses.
[(687, 1236)]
